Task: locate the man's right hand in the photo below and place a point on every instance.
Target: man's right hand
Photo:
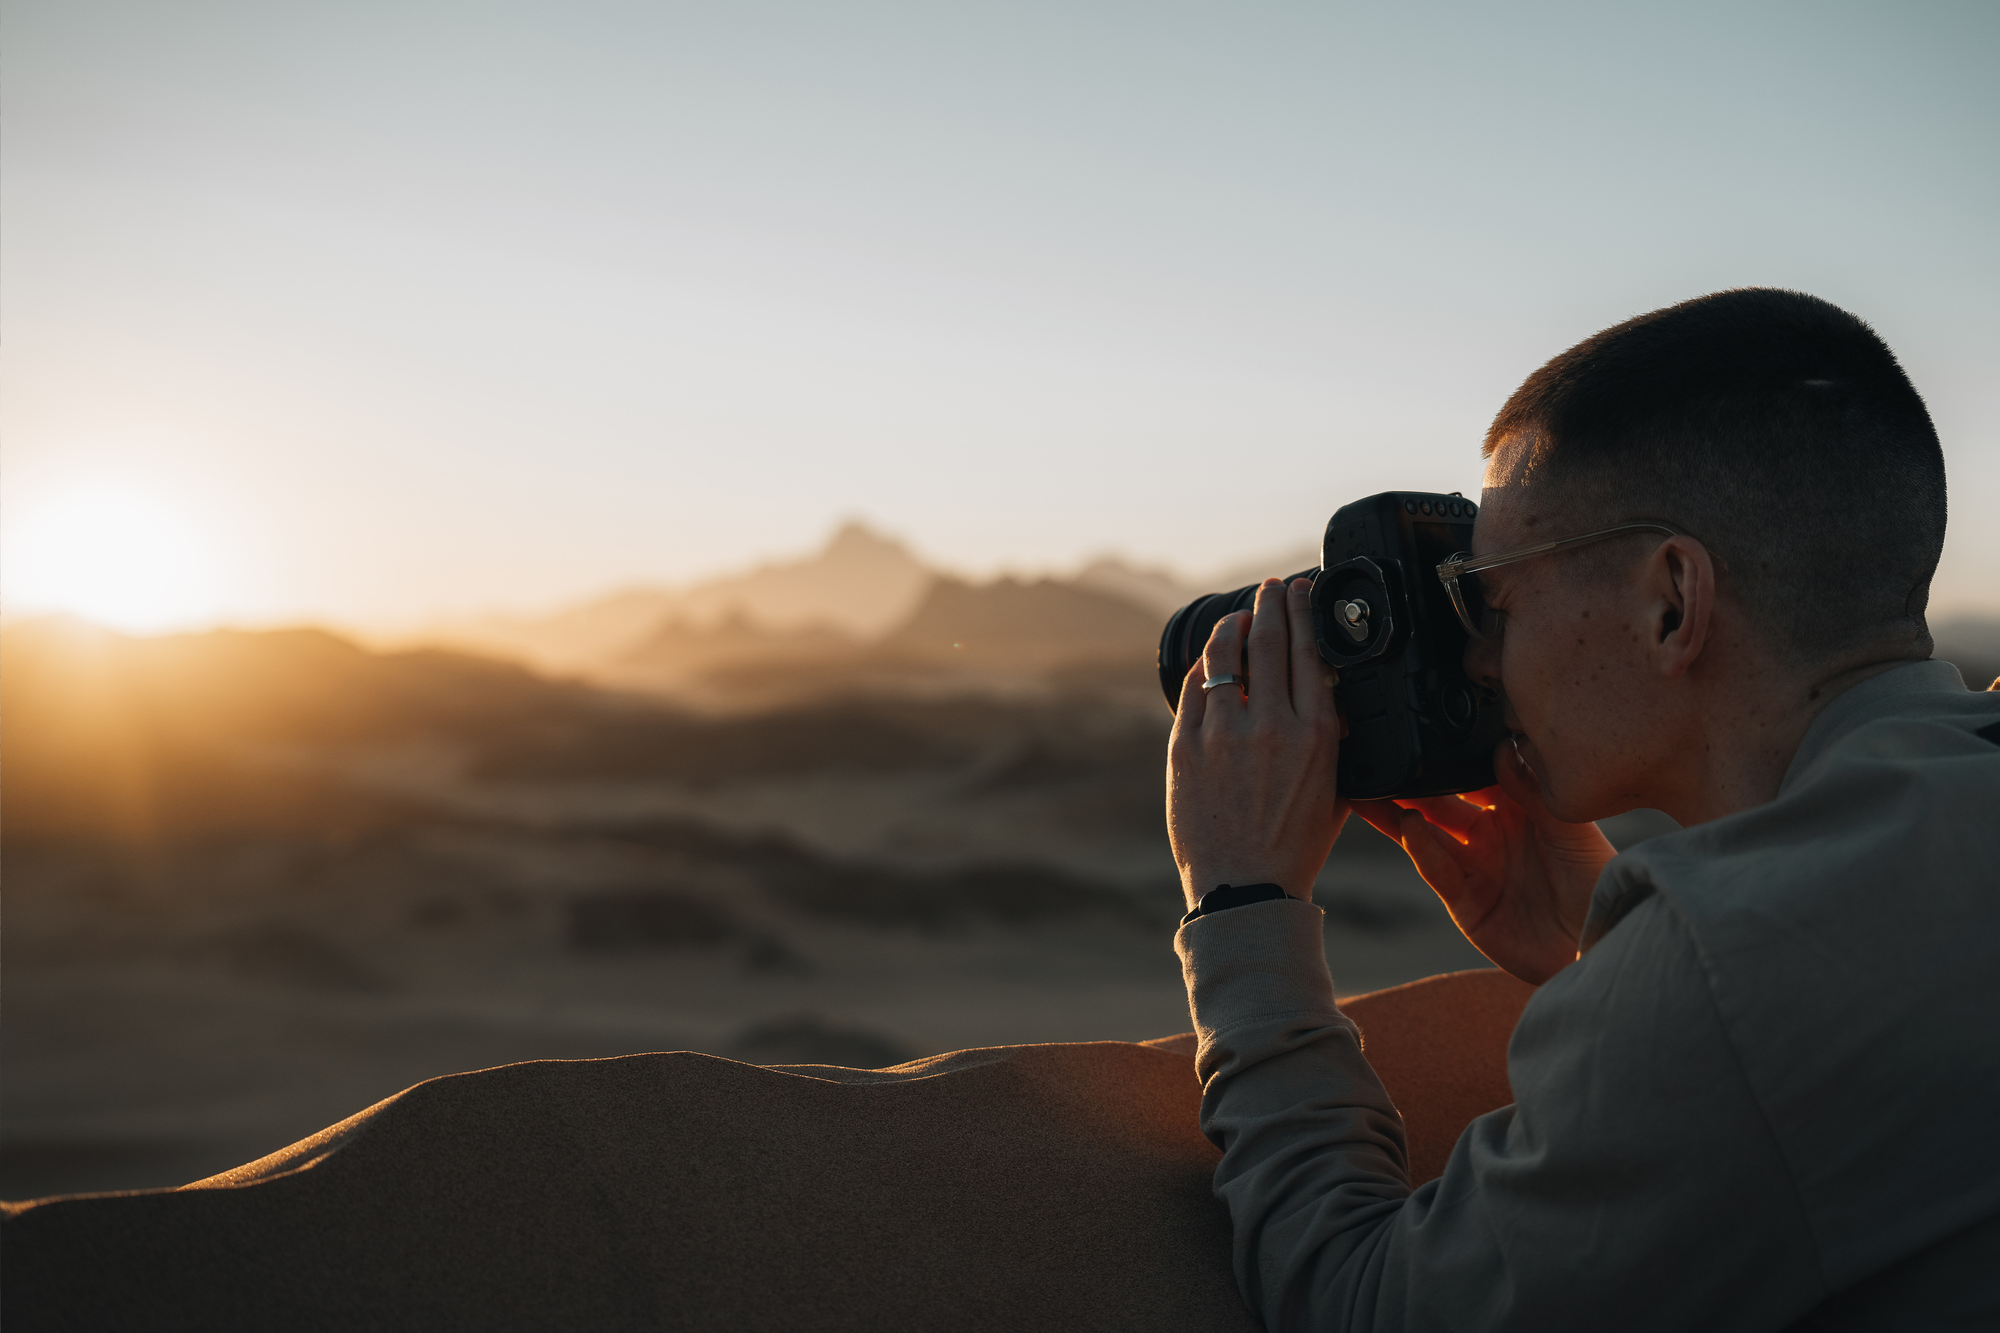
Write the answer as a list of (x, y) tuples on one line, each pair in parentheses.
[(1516, 879)]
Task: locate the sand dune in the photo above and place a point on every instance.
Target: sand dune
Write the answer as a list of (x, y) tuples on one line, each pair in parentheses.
[(1056, 1186)]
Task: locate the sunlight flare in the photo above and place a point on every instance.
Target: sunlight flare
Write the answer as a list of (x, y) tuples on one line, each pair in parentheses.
[(119, 555)]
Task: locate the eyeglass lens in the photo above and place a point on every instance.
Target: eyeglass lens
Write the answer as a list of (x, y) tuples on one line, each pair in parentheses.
[(1480, 618)]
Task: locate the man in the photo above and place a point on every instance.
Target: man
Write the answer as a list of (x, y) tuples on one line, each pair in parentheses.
[(1767, 1086), (1759, 1086)]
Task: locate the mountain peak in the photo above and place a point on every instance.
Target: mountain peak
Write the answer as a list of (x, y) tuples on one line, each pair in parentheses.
[(859, 583), (854, 541)]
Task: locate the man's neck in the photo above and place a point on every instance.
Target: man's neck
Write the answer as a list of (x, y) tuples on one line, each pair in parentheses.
[(1748, 726)]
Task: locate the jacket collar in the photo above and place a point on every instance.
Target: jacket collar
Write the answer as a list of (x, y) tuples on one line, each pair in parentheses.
[(1877, 697)]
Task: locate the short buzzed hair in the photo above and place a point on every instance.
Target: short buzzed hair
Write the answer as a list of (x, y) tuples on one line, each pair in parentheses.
[(1777, 429)]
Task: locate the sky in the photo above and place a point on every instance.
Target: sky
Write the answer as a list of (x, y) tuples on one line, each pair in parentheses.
[(368, 313)]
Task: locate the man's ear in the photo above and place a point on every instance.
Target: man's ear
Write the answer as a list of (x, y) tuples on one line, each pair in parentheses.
[(1683, 577)]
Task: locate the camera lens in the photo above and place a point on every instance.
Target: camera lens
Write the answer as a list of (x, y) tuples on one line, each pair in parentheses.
[(1186, 633)]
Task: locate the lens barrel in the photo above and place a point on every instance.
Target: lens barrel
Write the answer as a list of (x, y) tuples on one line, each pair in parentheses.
[(1188, 629)]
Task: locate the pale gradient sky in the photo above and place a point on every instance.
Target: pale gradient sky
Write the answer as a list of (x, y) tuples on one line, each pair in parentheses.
[(421, 307)]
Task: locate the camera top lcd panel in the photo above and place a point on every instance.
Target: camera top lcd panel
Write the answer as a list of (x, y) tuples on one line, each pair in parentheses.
[(1416, 725)]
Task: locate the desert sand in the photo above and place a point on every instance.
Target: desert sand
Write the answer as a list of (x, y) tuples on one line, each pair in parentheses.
[(1051, 1186)]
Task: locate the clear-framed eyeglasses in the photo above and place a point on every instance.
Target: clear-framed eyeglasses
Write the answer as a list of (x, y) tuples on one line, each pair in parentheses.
[(1460, 574)]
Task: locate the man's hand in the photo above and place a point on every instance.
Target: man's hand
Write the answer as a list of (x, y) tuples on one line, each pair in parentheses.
[(1250, 773), (1516, 879)]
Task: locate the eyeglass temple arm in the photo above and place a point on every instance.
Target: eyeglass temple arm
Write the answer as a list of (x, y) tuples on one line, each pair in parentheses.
[(1457, 565)]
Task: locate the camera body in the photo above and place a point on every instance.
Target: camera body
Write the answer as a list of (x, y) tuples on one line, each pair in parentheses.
[(1416, 724)]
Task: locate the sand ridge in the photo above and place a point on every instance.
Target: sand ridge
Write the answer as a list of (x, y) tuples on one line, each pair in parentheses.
[(1052, 1186)]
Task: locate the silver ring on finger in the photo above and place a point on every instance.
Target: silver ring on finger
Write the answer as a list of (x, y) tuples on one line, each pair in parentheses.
[(1216, 682)]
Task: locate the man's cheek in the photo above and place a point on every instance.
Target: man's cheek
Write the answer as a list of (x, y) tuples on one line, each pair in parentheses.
[(1526, 682)]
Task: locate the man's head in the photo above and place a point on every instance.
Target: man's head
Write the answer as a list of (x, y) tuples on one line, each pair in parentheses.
[(1778, 433)]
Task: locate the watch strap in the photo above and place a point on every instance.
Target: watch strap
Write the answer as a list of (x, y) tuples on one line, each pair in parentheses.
[(1225, 896)]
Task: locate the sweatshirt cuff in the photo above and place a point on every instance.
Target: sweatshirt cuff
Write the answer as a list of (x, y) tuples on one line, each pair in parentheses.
[(1263, 961)]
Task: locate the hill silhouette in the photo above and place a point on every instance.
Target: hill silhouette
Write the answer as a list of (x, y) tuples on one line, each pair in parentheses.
[(679, 656), (860, 614), (132, 737), (1009, 635), (182, 735), (1026, 624), (860, 583), (1158, 590), (856, 586)]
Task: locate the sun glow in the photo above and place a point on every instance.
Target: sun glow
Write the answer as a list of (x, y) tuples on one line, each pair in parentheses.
[(121, 556)]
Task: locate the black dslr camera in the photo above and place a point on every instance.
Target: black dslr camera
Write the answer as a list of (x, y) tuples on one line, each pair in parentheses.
[(1417, 726)]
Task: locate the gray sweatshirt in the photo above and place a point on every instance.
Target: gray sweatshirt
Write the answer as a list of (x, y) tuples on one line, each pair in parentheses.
[(1766, 1096)]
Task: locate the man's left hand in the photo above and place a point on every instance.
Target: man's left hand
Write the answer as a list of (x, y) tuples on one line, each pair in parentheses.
[(1250, 770)]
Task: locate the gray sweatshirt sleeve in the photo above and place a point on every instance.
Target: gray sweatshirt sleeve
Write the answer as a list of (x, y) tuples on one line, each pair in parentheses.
[(1634, 1185)]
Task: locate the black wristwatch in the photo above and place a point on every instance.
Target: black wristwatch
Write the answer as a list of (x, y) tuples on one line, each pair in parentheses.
[(1225, 896)]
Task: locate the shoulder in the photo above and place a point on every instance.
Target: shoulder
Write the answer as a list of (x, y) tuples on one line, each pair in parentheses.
[(1848, 936)]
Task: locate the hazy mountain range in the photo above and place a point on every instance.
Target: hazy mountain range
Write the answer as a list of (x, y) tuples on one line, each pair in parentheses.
[(861, 611)]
